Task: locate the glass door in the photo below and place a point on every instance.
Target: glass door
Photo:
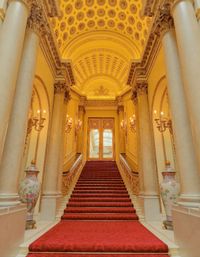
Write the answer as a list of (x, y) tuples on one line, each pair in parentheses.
[(101, 139)]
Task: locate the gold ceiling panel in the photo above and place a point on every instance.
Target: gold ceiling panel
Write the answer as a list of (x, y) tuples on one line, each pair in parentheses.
[(101, 38), (81, 16)]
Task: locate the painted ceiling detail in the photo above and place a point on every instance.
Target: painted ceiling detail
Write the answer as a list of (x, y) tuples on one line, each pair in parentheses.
[(101, 91), (101, 38)]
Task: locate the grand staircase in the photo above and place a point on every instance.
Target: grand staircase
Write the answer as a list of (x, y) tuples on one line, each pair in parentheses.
[(99, 220)]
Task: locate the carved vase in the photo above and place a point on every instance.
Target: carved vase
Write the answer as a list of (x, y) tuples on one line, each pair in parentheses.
[(170, 190), (29, 189)]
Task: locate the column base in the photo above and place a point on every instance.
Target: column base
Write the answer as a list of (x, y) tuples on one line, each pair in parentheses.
[(151, 207), (12, 220), (186, 223), (189, 201), (49, 206), (7, 200)]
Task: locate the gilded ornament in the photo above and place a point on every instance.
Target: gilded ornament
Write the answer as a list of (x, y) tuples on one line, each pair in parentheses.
[(101, 2), (111, 13), (133, 8), (101, 12), (111, 23), (112, 2), (81, 26), (90, 13), (80, 15), (120, 26), (123, 4), (70, 20), (68, 9), (101, 23), (72, 30), (91, 23), (63, 26), (79, 4), (89, 2), (131, 20), (129, 30), (122, 16)]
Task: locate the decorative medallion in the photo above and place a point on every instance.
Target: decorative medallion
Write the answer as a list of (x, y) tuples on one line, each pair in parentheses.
[(89, 2), (90, 13), (101, 91), (112, 2), (68, 9)]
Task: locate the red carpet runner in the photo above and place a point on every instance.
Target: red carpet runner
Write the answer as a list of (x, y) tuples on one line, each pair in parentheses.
[(99, 220)]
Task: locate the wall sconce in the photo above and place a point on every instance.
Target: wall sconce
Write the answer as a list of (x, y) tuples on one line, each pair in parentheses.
[(123, 125), (68, 124), (78, 125), (36, 122), (132, 122), (163, 123)]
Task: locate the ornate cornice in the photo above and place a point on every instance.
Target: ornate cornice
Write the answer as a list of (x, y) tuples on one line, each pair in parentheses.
[(149, 7), (141, 88), (52, 7)]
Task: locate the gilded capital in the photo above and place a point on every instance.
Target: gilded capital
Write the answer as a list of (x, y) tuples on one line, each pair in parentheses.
[(36, 20), (165, 21), (59, 87), (141, 88)]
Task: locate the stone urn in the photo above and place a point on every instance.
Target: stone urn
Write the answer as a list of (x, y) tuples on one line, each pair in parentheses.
[(170, 190), (29, 189)]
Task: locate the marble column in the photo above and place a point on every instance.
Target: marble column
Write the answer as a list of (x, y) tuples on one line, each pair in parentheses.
[(120, 112), (62, 148), (150, 195), (11, 45), (188, 41), (139, 154), (50, 193), (81, 111), (16, 133), (185, 152)]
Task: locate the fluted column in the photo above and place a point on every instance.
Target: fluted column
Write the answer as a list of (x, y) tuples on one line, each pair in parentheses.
[(188, 41), (185, 152), (16, 133), (50, 192), (147, 151), (11, 45)]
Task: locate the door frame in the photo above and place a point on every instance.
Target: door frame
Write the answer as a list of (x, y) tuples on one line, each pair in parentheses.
[(100, 139)]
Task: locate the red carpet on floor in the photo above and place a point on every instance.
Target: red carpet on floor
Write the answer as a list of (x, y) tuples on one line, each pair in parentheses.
[(99, 220), (93, 255)]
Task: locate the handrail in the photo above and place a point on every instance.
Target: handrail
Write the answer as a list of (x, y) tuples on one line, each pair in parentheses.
[(125, 162), (76, 163), (70, 176), (131, 176)]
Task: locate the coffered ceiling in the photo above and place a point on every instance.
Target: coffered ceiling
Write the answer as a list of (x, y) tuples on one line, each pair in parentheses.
[(101, 38)]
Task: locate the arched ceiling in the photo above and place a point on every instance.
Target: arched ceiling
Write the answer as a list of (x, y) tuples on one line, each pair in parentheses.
[(101, 37)]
